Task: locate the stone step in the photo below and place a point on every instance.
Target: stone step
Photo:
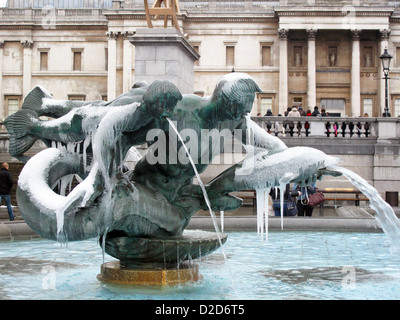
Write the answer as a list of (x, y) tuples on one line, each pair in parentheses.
[(4, 213)]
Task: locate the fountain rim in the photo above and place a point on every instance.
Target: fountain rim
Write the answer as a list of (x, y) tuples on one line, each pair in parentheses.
[(19, 230)]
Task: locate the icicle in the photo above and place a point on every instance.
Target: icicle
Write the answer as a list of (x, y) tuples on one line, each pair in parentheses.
[(178, 262), (260, 204), (266, 213), (262, 212), (282, 188), (103, 244), (64, 183), (121, 159), (165, 260), (86, 144), (221, 216), (200, 253)]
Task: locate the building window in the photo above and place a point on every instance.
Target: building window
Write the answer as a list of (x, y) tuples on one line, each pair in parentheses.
[(77, 97), (367, 106), (12, 103), (266, 56), (396, 107), (264, 103), (297, 102), (77, 59), (44, 56), (335, 107), (398, 57), (230, 56), (106, 59)]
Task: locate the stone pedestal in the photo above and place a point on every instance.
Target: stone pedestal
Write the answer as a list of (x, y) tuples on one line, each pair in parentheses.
[(115, 273), (164, 54)]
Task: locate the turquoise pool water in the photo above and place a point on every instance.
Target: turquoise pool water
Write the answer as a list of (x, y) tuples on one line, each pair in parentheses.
[(293, 265)]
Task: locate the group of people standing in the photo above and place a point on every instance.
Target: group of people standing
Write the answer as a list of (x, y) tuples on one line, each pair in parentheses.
[(295, 200), (293, 112), (298, 112)]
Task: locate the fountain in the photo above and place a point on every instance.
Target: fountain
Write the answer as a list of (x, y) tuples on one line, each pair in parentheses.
[(140, 215)]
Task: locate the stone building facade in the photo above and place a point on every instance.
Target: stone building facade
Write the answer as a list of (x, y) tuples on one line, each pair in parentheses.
[(301, 52)]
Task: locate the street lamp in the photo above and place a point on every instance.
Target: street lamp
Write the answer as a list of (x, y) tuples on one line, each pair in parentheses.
[(385, 58)]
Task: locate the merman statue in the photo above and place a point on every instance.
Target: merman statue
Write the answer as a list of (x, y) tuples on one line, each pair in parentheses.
[(157, 198)]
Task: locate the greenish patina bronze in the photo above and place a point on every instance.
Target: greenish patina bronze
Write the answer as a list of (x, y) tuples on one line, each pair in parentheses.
[(157, 199)]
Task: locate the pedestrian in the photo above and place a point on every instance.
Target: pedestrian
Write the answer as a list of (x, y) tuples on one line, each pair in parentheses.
[(269, 113), (301, 111), (269, 125), (6, 182), (302, 193), (294, 113), (315, 113), (285, 122), (288, 209)]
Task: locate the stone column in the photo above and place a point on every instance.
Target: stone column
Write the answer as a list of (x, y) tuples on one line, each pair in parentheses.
[(112, 65), (355, 75), (1, 78), (283, 70), (27, 67), (127, 62), (311, 70), (384, 44)]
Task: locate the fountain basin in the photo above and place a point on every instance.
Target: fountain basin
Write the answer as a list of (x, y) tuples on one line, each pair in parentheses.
[(153, 261), (148, 253), (293, 265)]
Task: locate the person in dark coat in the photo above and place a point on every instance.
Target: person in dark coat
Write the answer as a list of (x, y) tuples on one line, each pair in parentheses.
[(269, 125), (315, 113), (302, 199), (276, 202), (6, 182)]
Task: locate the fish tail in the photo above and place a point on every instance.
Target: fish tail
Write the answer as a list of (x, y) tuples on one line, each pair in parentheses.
[(34, 100), (19, 126)]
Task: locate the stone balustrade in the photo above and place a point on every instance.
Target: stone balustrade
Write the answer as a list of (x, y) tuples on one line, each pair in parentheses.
[(16, 7), (335, 127)]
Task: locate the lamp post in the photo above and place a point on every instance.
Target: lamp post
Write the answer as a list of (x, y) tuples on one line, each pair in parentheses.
[(385, 58)]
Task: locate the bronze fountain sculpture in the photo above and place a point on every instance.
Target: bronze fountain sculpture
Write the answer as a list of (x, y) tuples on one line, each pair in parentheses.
[(141, 214)]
